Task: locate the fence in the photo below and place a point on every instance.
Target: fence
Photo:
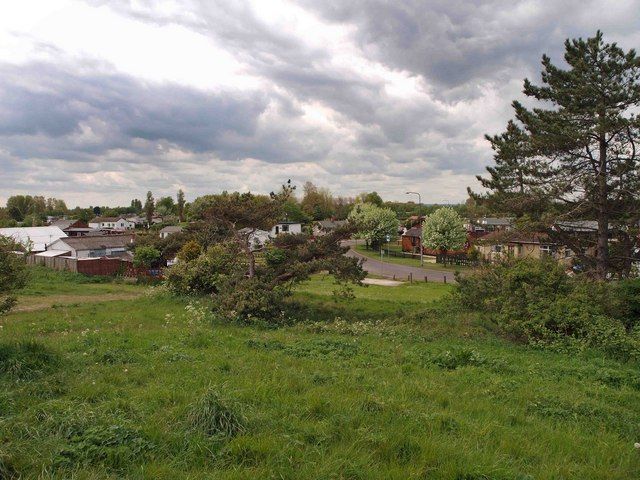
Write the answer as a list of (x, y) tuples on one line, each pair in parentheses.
[(460, 260), (89, 266)]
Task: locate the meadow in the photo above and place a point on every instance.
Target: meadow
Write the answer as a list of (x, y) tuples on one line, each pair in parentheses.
[(103, 380)]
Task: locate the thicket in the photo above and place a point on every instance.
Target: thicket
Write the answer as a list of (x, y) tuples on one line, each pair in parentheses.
[(536, 302)]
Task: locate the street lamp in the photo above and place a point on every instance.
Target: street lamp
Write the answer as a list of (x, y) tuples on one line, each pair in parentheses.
[(419, 215)]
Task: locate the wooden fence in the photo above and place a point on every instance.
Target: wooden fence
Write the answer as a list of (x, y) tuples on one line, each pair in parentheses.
[(87, 266)]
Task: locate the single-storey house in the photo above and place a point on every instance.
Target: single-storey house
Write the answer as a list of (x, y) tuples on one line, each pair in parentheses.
[(322, 227), (484, 225), (286, 227), (521, 245), (114, 223), (34, 239), (93, 246), (169, 230), (256, 239)]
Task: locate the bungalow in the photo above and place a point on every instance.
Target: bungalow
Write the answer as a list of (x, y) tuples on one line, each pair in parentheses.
[(286, 227), (112, 223), (256, 238), (170, 230), (489, 224), (93, 246), (34, 239), (322, 227), (535, 245)]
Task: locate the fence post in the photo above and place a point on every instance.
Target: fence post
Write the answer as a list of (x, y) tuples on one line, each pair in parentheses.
[(425, 279), (394, 276), (445, 279)]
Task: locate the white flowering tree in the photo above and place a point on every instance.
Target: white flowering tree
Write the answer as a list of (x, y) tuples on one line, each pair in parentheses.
[(373, 223), (444, 230)]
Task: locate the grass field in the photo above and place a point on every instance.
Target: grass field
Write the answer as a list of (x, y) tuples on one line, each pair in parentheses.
[(150, 388), (411, 262)]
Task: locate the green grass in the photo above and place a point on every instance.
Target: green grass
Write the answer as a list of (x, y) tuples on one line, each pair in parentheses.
[(411, 262), (367, 389)]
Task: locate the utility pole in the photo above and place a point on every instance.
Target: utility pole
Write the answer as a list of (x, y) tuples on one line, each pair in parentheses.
[(419, 217)]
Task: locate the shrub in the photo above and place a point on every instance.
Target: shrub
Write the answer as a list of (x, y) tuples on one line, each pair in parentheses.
[(252, 300), (215, 417), (146, 256), (204, 274), (535, 302), (26, 360)]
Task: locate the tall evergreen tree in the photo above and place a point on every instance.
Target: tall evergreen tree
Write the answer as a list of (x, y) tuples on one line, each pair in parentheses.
[(180, 205), (584, 138), (149, 207)]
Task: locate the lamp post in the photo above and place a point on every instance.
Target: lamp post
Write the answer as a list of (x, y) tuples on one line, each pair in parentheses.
[(419, 215)]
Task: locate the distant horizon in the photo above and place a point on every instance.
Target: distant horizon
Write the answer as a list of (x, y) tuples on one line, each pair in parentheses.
[(211, 96)]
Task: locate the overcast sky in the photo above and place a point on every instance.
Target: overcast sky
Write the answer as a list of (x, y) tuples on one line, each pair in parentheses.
[(101, 101)]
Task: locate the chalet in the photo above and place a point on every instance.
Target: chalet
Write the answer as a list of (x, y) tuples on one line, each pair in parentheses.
[(535, 245), (94, 246), (256, 238), (111, 223), (34, 239), (286, 227), (170, 230), (322, 227), (485, 225)]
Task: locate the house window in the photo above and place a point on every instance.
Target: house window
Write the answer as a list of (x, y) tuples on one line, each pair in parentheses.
[(520, 249), (545, 250), (285, 228), (568, 253), (496, 248), (277, 230)]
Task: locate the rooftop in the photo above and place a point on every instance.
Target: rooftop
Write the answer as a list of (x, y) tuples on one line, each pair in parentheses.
[(93, 242), (35, 237)]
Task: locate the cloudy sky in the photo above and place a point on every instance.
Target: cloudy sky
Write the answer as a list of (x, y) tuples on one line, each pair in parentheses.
[(101, 101)]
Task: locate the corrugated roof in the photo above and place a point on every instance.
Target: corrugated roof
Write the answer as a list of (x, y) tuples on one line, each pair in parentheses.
[(35, 237), (171, 229), (52, 253), (95, 242)]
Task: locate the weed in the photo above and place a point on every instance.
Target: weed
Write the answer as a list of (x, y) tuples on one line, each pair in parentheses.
[(113, 446), (215, 417), (26, 360), (453, 359)]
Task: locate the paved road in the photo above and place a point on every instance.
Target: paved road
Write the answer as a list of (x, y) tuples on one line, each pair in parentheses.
[(401, 272)]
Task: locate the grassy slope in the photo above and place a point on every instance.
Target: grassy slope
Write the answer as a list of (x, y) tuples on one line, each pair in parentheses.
[(370, 399), (411, 262)]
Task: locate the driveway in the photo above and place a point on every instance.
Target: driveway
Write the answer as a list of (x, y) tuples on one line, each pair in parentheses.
[(401, 272)]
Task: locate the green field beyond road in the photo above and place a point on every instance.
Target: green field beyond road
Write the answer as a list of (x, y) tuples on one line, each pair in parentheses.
[(429, 264), (386, 386)]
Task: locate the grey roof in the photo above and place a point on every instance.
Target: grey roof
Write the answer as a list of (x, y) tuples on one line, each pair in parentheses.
[(579, 225), (496, 221), (35, 237), (171, 229), (95, 242), (413, 232), (329, 224), (63, 223)]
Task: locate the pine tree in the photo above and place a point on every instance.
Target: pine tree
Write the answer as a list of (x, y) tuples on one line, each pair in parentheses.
[(149, 207), (180, 205), (583, 138)]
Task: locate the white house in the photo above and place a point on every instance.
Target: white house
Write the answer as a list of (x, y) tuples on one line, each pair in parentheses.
[(35, 239), (115, 223), (93, 246), (255, 238), (169, 230), (286, 227)]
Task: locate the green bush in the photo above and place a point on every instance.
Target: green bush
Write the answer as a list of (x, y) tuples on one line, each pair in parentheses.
[(535, 302), (204, 274), (252, 300)]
